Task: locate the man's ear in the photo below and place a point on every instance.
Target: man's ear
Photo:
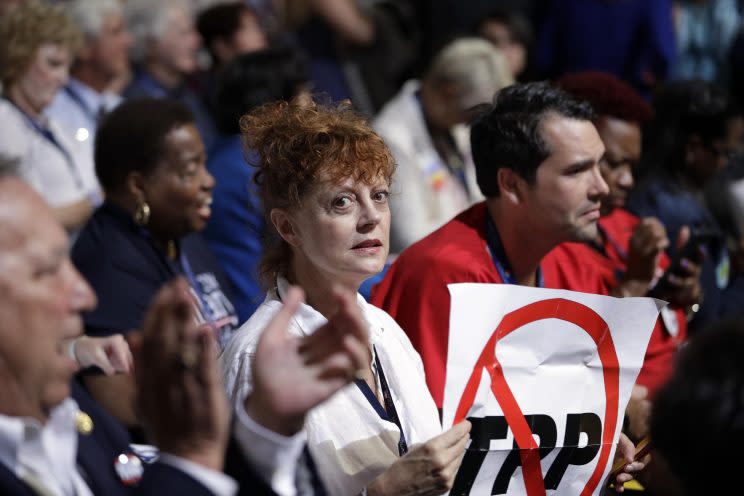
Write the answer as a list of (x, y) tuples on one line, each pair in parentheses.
[(511, 185), (284, 225)]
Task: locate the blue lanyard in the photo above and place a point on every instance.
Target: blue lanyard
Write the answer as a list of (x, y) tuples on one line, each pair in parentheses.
[(186, 266), (47, 134), (498, 255), (389, 413)]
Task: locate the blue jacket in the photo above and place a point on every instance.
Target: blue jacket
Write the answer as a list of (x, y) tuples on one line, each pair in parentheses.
[(236, 229)]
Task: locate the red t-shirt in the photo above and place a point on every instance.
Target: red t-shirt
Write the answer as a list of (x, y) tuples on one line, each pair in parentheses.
[(659, 360), (414, 291)]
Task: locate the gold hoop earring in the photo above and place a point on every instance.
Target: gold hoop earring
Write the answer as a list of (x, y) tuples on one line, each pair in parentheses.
[(142, 214)]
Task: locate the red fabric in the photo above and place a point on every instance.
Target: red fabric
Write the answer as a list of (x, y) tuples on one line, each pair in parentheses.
[(659, 360), (414, 291)]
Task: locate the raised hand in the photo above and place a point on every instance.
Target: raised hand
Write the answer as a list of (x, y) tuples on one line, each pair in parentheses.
[(180, 396), (649, 239), (682, 286), (291, 375)]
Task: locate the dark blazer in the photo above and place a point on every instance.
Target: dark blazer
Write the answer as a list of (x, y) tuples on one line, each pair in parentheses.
[(98, 450), (96, 454)]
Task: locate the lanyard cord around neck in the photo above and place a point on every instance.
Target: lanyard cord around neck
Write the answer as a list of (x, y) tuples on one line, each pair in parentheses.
[(389, 412), (498, 255)]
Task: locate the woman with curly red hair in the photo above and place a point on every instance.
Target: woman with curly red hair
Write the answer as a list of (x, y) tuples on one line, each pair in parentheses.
[(324, 177)]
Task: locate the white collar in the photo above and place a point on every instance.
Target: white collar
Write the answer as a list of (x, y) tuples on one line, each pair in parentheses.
[(19, 433), (92, 99), (309, 319)]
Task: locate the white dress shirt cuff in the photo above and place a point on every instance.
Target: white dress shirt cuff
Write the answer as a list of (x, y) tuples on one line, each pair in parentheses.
[(275, 457), (217, 482)]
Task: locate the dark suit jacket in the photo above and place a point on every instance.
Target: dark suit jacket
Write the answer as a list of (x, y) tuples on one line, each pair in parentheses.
[(98, 450)]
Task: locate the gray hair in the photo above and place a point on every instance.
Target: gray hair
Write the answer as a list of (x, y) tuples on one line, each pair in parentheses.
[(148, 19), (474, 65), (90, 14)]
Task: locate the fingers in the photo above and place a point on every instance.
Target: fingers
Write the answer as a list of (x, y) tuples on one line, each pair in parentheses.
[(625, 448), (345, 333), (453, 435), (119, 355), (683, 237), (349, 316), (276, 330), (650, 236), (445, 453), (159, 346), (639, 392)]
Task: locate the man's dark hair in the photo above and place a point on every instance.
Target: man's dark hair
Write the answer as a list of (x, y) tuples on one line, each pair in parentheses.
[(699, 414), (131, 138), (220, 21), (255, 79), (508, 133)]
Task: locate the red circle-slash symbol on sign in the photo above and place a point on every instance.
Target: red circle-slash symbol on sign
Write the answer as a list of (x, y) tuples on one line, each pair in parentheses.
[(588, 320)]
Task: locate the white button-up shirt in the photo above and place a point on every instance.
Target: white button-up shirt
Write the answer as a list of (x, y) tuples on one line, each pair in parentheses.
[(349, 441), (47, 451)]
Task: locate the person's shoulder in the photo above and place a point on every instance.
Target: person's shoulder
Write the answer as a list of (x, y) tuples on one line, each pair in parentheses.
[(566, 267), (10, 114), (381, 317), (245, 339), (452, 246), (392, 333), (623, 217), (103, 233), (456, 252), (619, 224), (14, 139)]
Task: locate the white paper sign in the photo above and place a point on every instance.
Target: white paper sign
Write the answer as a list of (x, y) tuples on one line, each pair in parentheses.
[(544, 376)]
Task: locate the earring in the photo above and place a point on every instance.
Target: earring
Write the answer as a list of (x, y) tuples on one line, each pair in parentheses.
[(142, 214)]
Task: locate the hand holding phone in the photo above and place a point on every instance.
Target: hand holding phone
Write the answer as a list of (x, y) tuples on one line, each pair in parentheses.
[(680, 283)]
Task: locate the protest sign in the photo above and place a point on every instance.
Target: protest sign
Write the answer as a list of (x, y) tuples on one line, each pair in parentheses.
[(544, 376)]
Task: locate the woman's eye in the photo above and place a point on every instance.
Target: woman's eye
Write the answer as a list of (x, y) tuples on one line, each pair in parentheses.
[(381, 196), (342, 202)]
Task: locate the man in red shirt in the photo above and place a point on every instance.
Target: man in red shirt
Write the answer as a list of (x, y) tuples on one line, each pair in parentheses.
[(537, 157)]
